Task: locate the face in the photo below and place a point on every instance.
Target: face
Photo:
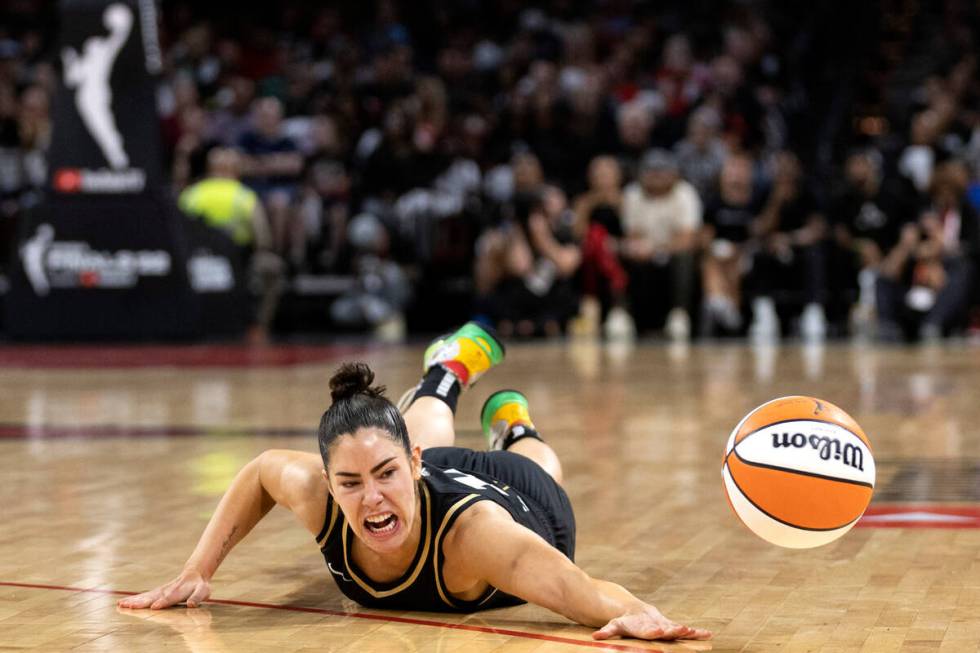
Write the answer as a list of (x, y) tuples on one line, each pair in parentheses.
[(373, 481), (736, 180), (268, 115), (859, 169), (658, 181), (604, 173), (527, 172)]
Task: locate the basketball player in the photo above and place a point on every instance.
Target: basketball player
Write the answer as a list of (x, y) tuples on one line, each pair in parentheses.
[(407, 521)]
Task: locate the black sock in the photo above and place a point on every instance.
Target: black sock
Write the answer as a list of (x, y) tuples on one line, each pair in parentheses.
[(519, 432), (442, 384)]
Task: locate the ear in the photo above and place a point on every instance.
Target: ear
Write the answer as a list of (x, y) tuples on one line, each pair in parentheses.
[(416, 462), (326, 477)]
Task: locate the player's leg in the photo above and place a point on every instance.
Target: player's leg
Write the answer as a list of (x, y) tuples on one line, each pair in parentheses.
[(507, 426), (452, 364)]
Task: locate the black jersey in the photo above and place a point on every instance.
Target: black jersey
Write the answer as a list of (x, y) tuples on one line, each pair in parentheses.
[(446, 493)]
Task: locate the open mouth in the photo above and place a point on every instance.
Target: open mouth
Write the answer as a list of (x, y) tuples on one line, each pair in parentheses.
[(381, 524)]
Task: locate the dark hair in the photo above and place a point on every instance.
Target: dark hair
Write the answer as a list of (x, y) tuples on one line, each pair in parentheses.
[(356, 404)]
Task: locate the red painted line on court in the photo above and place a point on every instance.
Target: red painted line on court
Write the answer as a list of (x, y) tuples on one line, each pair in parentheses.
[(920, 516), (128, 356), (363, 615)]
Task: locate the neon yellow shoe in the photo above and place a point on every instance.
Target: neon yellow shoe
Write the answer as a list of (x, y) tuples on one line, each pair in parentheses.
[(504, 411), (468, 353)]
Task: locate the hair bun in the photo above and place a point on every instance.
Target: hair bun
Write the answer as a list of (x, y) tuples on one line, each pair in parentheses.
[(353, 379)]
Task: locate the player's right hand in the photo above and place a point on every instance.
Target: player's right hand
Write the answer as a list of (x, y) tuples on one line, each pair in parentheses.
[(190, 587)]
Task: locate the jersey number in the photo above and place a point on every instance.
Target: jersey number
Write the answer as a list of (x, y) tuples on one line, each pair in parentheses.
[(471, 481)]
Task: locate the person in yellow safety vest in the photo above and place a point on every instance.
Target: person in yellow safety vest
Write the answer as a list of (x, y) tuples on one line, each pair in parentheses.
[(224, 203)]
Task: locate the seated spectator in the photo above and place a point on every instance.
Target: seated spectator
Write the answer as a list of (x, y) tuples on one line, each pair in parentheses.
[(525, 267), (635, 121), (661, 218), (918, 159), (232, 119), (925, 281), (730, 222), (222, 202), (25, 134), (701, 153), (791, 258), (381, 290), (868, 216), (522, 175), (319, 239), (271, 167), (598, 226)]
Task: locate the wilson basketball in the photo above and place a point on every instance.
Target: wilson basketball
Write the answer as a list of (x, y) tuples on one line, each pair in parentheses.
[(798, 471)]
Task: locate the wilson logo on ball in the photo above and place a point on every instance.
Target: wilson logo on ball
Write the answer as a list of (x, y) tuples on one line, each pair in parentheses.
[(826, 447)]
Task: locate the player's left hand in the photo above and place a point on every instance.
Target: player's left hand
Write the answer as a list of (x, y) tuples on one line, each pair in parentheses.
[(648, 623)]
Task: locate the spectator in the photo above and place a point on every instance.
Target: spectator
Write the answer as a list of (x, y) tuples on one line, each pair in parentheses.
[(919, 157), (791, 259), (222, 202), (634, 127), (925, 281), (192, 148), (730, 222), (525, 267), (381, 289), (598, 226), (319, 241), (233, 118), (681, 80), (701, 153), (272, 166), (25, 134), (868, 217), (521, 177), (661, 218)]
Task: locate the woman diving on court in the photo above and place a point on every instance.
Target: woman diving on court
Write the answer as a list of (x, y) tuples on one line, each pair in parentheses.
[(406, 520)]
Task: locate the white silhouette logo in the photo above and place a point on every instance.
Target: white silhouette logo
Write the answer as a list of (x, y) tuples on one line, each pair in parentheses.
[(33, 252), (89, 75)]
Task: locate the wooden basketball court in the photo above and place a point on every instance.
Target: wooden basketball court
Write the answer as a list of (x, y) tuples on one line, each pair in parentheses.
[(110, 470)]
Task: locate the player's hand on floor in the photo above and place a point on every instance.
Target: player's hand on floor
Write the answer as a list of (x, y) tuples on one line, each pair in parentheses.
[(190, 587), (648, 623)]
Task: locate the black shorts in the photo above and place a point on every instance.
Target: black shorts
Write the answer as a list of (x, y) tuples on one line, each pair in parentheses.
[(545, 497)]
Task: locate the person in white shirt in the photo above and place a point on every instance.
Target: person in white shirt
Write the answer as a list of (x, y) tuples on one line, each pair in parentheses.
[(661, 218)]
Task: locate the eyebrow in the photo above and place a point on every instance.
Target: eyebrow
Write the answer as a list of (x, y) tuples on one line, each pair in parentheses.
[(373, 469)]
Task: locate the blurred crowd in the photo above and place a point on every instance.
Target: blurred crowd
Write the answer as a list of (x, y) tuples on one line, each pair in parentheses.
[(616, 168)]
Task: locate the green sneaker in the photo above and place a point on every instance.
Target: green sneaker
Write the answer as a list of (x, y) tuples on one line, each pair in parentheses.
[(468, 353), (473, 345), (503, 411)]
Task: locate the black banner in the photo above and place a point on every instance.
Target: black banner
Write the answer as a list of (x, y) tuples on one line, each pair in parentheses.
[(107, 254), (106, 136)]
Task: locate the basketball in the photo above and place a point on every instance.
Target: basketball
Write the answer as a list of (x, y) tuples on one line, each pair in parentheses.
[(798, 471)]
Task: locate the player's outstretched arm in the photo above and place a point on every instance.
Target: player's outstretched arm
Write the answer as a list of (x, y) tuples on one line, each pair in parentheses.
[(517, 561), (289, 478)]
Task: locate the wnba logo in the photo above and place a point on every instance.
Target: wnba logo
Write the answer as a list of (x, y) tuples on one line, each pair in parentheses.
[(88, 73)]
